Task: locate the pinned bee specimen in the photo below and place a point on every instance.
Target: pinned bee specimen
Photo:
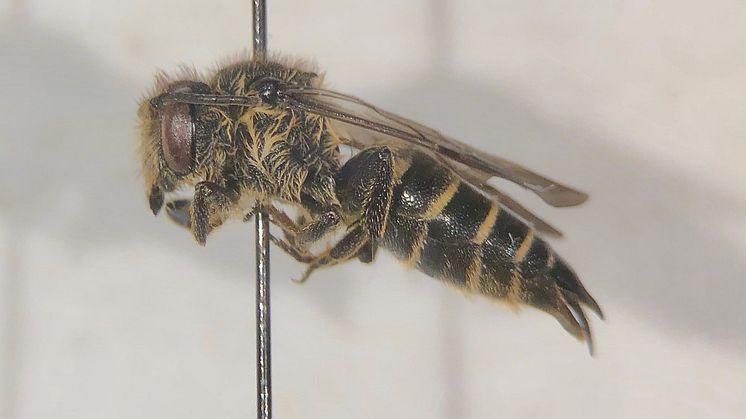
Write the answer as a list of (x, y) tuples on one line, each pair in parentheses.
[(258, 133)]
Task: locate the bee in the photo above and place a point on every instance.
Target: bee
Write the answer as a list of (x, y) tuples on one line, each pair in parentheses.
[(259, 133)]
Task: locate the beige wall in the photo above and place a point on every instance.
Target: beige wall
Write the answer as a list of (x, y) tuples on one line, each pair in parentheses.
[(106, 312)]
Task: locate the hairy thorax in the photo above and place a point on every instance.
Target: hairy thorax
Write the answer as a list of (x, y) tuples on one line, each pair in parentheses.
[(278, 153)]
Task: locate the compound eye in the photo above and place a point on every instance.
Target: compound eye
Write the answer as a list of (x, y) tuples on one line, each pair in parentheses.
[(177, 132), (177, 135)]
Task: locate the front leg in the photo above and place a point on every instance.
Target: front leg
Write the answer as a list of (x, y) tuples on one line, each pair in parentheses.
[(208, 209), (178, 212), (211, 206)]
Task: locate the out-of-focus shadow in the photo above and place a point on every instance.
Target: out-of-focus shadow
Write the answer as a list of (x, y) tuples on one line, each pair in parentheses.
[(68, 169)]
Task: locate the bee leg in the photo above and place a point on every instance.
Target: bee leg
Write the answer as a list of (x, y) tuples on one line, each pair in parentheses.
[(279, 218), (370, 180), (298, 253), (367, 253), (347, 248), (178, 212), (249, 215), (301, 220), (319, 227), (309, 233), (289, 229), (370, 177), (210, 207)]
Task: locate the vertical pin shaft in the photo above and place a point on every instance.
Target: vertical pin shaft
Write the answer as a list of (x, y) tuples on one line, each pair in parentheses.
[(263, 342)]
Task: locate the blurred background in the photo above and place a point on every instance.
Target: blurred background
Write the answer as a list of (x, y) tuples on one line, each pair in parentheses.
[(108, 312)]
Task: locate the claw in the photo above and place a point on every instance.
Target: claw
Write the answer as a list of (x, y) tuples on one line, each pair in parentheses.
[(305, 276)]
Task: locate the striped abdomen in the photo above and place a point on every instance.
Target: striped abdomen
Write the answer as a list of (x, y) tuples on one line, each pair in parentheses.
[(450, 231)]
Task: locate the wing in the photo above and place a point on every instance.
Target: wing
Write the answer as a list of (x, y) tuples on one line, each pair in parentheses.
[(475, 166)]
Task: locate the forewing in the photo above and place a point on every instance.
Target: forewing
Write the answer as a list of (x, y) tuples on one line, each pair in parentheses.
[(472, 164)]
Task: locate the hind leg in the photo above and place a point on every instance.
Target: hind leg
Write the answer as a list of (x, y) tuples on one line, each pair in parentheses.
[(346, 249), (368, 187)]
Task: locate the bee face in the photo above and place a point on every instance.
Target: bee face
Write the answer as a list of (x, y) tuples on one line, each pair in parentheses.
[(168, 139)]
